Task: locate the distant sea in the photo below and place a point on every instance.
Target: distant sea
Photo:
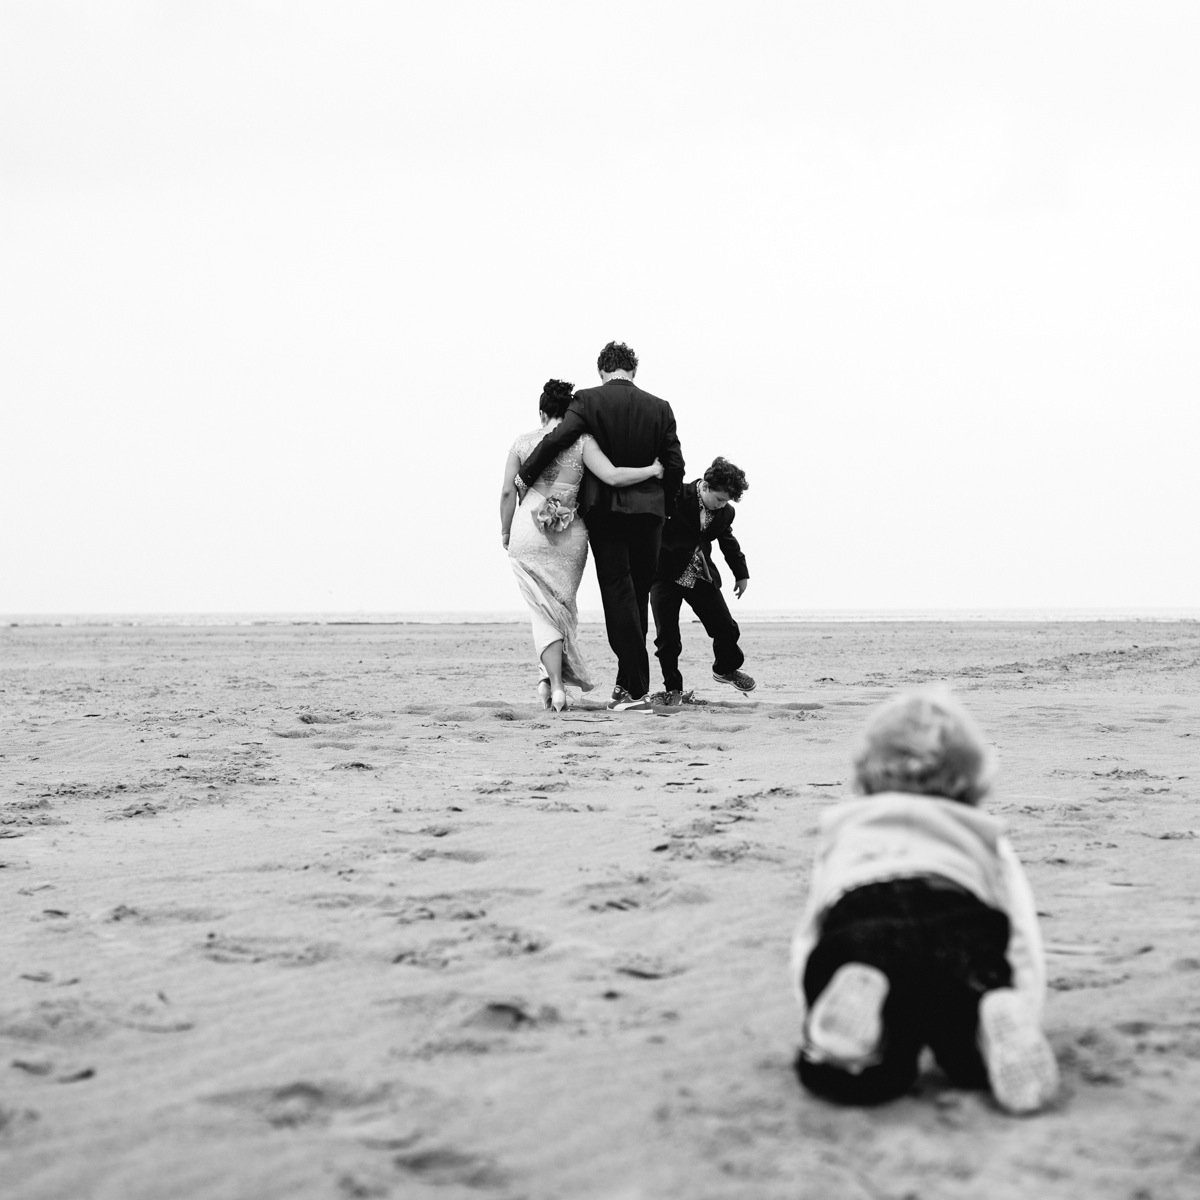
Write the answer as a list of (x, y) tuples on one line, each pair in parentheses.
[(515, 617)]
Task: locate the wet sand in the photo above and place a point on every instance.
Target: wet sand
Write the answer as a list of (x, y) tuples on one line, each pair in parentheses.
[(340, 912)]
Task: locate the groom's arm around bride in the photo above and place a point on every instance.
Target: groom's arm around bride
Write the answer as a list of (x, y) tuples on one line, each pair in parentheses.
[(633, 428)]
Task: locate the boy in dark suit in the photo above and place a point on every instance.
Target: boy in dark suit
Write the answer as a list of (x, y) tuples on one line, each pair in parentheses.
[(702, 514)]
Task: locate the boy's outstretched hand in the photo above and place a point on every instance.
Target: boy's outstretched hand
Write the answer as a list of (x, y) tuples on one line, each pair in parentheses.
[(740, 586)]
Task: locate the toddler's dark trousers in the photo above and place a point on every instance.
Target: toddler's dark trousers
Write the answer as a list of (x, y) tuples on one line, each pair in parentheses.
[(941, 949), (709, 605)]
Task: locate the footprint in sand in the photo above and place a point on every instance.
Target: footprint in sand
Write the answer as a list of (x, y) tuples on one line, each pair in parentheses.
[(456, 716), (465, 856), (341, 900), (495, 788), (325, 718), (73, 1020), (647, 966), (509, 941), (1117, 773), (142, 808), (444, 1166), (561, 806), (504, 1016), (707, 840), (162, 914), (155, 1016), (495, 941), (745, 799), (67, 1020), (1097, 1056), (435, 957), (15, 1121), (287, 952), (464, 906), (295, 1105), (538, 789), (26, 813), (638, 892)]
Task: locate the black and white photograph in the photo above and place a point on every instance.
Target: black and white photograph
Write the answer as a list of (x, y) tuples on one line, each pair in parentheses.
[(597, 601)]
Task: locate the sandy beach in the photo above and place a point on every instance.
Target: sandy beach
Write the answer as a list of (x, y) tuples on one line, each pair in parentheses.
[(339, 912)]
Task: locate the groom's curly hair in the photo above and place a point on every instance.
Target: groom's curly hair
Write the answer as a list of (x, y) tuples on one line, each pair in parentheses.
[(556, 397), (617, 356)]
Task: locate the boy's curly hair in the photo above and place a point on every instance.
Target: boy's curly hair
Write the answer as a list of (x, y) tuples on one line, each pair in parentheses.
[(556, 397), (617, 356), (924, 742), (723, 476)]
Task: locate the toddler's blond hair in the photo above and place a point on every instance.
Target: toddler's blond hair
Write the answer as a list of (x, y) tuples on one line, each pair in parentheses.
[(924, 742)]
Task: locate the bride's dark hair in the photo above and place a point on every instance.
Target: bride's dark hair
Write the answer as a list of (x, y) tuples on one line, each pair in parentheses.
[(556, 397)]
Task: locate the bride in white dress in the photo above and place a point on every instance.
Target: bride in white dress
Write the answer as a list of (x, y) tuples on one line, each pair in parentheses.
[(547, 541)]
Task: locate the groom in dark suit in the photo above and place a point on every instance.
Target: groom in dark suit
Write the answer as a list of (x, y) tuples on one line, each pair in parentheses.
[(624, 524)]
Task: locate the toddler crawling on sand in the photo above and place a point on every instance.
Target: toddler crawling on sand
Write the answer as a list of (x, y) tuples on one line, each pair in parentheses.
[(920, 927)]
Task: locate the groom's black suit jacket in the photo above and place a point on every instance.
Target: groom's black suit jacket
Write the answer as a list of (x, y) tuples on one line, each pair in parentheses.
[(633, 428)]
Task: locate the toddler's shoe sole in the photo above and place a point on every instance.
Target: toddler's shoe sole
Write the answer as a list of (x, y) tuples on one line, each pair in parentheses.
[(845, 1025), (1020, 1063)]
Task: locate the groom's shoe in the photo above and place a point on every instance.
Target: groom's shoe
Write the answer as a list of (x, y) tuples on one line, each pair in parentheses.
[(622, 701)]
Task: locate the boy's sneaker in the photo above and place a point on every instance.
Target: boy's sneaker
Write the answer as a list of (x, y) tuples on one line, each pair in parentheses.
[(1020, 1063), (622, 701), (739, 679), (845, 1025)]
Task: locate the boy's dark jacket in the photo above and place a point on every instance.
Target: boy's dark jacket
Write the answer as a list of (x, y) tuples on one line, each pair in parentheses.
[(682, 534)]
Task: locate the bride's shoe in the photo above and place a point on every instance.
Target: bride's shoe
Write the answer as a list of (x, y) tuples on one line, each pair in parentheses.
[(558, 700), (544, 693)]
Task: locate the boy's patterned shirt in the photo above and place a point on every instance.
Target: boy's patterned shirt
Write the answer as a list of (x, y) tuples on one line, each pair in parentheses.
[(697, 568)]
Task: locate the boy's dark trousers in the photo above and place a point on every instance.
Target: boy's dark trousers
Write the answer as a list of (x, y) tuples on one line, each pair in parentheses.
[(941, 949), (709, 605)]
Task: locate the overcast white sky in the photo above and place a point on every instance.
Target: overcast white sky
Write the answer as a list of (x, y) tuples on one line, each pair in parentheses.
[(280, 281)]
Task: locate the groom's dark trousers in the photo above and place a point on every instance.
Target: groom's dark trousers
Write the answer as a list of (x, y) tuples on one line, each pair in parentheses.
[(624, 524), (625, 551)]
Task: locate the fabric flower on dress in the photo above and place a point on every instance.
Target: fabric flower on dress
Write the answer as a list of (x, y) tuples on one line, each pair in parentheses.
[(554, 515)]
